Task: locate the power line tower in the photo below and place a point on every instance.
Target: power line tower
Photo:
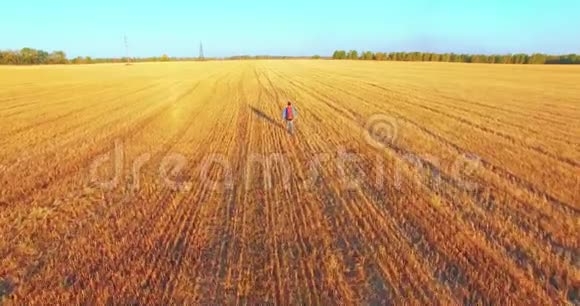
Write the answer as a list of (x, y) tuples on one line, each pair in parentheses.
[(201, 57), (126, 49)]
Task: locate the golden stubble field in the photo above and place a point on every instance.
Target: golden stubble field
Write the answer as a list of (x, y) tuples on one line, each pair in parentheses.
[(176, 183)]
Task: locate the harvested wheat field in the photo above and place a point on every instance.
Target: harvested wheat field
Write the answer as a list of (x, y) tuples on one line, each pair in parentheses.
[(177, 183)]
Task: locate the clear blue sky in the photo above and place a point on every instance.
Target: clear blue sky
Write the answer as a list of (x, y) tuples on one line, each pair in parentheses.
[(96, 28)]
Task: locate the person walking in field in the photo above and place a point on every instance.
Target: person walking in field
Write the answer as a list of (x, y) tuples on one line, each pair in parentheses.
[(289, 114)]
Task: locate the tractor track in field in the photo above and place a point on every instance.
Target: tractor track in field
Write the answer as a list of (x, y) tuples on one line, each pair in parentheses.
[(67, 101), (569, 210), (43, 95), (358, 242), (77, 111), (245, 213), (171, 143), (84, 158), (125, 205), (436, 191), (70, 131), (494, 108), (492, 167), (491, 120), (470, 112), (297, 218), (446, 187), (507, 137)]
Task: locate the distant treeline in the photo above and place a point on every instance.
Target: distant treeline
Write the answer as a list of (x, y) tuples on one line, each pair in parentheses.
[(29, 56), (536, 58), (250, 57)]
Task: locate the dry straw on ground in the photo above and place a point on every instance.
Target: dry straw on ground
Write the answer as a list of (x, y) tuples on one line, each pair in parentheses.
[(469, 193)]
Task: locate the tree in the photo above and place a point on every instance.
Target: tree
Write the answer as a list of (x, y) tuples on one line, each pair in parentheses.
[(11, 58), (164, 58), (478, 58), (380, 56), (452, 57), (42, 57), (367, 56), (78, 60), (415, 57), (352, 54), (57, 57), (339, 54), (520, 58), (29, 56), (568, 59)]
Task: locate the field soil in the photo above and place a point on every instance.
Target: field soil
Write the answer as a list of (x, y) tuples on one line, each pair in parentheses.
[(177, 183)]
